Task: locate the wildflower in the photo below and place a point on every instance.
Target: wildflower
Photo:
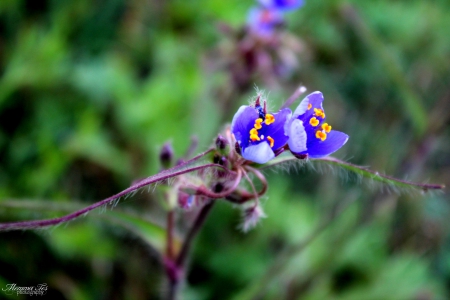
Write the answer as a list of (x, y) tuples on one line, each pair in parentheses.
[(283, 5), (263, 21), (308, 133), (259, 135)]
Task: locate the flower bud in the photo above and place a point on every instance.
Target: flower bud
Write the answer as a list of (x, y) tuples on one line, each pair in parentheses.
[(166, 155), (222, 145), (185, 200), (218, 187)]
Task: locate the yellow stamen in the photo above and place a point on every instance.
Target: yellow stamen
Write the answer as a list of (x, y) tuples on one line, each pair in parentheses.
[(321, 135), (319, 112), (254, 135), (269, 119), (271, 141), (258, 123), (314, 122), (309, 106), (326, 127)]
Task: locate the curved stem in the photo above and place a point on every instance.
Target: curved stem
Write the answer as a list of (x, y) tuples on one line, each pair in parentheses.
[(205, 192), (261, 178), (175, 171), (245, 196)]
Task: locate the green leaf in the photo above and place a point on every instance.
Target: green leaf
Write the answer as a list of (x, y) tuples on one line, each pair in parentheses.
[(152, 233)]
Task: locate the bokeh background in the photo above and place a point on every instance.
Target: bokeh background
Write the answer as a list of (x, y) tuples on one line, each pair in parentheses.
[(91, 90)]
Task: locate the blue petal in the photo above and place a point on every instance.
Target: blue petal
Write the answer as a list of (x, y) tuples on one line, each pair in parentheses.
[(317, 148), (297, 136), (263, 21), (302, 107), (243, 121), (260, 153), (276, 129), (282, 4), (315, 99)]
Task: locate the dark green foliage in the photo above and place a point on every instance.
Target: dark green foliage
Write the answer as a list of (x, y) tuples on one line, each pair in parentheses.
[(91, 90)]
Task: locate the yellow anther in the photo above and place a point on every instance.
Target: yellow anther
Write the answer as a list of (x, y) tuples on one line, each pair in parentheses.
[(258, 123), (318, 112), (269, 119), (254, 135), (321, 135), (314, 122), (271, 141), (326, 127), (309, 106)]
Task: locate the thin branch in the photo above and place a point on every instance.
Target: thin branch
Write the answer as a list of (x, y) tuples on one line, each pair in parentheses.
[(175, 171), (201, 217), (206, 192), (261, 178), (363, 171), (380, 177), (245, 196), (169, 234), (190, 150), (300, 90)]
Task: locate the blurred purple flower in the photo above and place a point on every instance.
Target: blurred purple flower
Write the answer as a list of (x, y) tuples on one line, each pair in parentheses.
[(283, 5), (259, 134), (263, 21), (308, 133)]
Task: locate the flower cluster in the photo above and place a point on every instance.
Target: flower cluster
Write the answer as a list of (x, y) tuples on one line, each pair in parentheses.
[(260, 136), (263, 20)]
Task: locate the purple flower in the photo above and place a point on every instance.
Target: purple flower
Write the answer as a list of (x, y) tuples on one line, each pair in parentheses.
[(309, 135), (263, 21), (259, 134), (282, 4)]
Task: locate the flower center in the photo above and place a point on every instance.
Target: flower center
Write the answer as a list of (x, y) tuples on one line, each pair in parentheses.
[(321, 133), (313, 121), (326, 127), (255, 136), (319, 112)]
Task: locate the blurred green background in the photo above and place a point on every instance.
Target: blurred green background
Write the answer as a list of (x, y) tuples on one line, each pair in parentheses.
[(91, 90)]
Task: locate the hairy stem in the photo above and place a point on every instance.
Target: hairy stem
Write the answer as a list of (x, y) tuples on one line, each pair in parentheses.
[(166, 174), (213, 195), (300, 90), (380, 177)]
